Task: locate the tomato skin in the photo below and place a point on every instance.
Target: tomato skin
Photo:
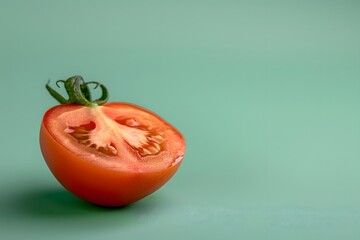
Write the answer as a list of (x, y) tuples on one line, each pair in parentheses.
[(97, 184)]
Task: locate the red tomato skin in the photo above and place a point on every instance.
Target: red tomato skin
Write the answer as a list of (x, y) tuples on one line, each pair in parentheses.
[(97, 184)]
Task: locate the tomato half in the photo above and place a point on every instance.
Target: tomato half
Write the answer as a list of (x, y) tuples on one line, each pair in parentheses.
[(110, 155)]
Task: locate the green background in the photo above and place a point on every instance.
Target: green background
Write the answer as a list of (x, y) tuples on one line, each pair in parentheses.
[(266, 93)]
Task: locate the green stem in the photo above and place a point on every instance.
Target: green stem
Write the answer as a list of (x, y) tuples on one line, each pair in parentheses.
[(78, 92)]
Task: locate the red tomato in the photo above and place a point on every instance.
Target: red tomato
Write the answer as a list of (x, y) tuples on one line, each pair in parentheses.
[(110, 155)]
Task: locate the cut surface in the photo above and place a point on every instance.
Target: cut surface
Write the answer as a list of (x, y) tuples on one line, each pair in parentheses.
[(129, 130), (84, 134), (117, 135)]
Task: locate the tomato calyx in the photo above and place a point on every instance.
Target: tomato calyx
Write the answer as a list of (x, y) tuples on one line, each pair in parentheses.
[(78, 92)]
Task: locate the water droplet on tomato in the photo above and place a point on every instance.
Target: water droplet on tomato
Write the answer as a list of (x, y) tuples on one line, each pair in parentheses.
[(177, 160), (132, 123)]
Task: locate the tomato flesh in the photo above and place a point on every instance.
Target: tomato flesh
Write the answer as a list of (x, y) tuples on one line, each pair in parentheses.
[(110, 155)]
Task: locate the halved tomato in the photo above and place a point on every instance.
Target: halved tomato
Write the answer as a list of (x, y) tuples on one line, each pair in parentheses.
[(110, 155)]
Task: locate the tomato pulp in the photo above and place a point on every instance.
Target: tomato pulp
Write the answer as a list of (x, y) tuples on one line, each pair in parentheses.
[(110, 155)]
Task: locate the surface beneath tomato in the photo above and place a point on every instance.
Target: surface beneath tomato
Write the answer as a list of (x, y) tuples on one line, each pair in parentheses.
[(118, 136)]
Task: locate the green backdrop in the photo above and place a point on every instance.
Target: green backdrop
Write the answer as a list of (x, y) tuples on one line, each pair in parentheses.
[(266, 93)]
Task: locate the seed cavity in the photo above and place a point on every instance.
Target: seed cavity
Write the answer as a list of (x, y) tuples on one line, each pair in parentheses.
[(102, 136), (82, 134), (150, 148), (141, 138)]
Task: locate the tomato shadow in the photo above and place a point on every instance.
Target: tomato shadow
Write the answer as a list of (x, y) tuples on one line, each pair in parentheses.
[(59, 203)]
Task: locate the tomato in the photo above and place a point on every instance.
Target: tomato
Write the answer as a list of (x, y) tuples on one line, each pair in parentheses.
[(110, 155)]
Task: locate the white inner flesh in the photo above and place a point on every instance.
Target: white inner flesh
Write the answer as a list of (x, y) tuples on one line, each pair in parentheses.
[(109, 135)]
